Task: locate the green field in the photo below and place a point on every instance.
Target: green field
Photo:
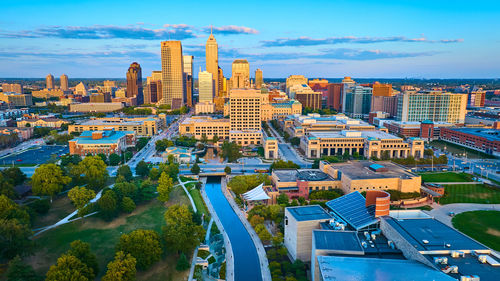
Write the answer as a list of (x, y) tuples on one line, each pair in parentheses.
[(198, 201), (484, 226), (470, 193), (457, 149), (103, 237), (446, 177)]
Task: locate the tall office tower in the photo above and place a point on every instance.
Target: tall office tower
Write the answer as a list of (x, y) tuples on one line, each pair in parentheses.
[(258, 79), (212, 60), (205, 86), (348, 83), (49, 82), (220, 87), (240, 78), (245, 116), (134, 82), (334, 96), (64, 82), (109, 86), (172, 74), (188, 78), (12, 88), (476, 99), (295, 80), (383, 99), (357, 101), (434, 106), (152, 93)]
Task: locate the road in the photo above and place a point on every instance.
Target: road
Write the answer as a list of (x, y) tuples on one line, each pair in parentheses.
[(287, 152), (22, 146), (441, 212)]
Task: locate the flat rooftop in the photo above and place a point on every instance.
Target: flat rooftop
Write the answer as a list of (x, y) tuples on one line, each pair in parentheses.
[(339, 241), (308, 213), (469, 265), (428, 234), (378, 135), (293, 175), (489, 134), (357, 170), (333, 268)]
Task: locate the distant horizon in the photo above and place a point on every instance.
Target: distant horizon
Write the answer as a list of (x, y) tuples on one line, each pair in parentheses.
[(272, 78)]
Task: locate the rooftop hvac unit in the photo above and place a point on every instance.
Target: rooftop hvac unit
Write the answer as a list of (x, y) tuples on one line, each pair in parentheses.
[(482, 258), (332, 222), (367, 235), (457, 254), (450, 269), (425, 241), (373, 236), (440, 260), (364, 244), (469, 278), (391, 244)]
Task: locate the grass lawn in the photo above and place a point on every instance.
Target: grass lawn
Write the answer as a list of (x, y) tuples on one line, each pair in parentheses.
[(198, 201), (103, 237), (484, 226), (446, 177), (190, 185), (457, 149), (61, 207), (470, 193), (185, 179)]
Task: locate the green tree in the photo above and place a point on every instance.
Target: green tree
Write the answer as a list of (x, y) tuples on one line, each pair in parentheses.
[(80, 196), (103, 157), (141, 143), (128, 155), (230, 151), (10, 210), (114, 159), (48, 179), (180, 232), (172, 169), (241, 184), (14, 175), (154, 174), (143, 245), (14, 238), (182, 263), (428, 152), (69, 268), (282, 199), (127, 205), (386, 155), (81, 250), (142, 169), (160, 145), (165, 185), (170, 159), (195, 169), (6, 188), (122, 268), (204, 138), (20, 271), (108, 204), (281, 164), (295, 141), (70, 159), (124, 170), (263, 233), (215, 138), (92, 170), (227, 170)]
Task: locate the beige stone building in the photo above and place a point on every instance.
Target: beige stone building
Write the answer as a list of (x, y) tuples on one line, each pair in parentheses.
[(280, 110), (198, 126), (14, 88), (204, 107), (245, 116), (16, 99), (172, 71), (42, 122), (95, 107), (295, 80), (271, 148), (240, 78), (142, 126), (45, 94), (303, 125)]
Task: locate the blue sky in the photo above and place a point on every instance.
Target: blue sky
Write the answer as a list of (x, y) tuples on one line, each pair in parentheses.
[(381, 39)]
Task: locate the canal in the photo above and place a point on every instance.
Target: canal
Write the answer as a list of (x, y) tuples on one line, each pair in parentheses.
[(246, 260)]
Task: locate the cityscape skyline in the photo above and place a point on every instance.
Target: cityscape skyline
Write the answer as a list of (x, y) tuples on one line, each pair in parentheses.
[(431, 40)]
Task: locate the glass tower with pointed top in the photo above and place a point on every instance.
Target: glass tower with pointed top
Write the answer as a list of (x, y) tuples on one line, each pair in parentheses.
[(212, 61)]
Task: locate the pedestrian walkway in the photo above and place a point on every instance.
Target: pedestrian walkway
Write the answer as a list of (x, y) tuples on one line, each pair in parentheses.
[(452, 183), (183, 184)]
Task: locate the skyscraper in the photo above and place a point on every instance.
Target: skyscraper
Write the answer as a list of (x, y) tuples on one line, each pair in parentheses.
[(245, 116), (134, 82), (334, 96), (188, 78), (357, 101), (49, 82), (172, 74), (212, 61), (240, 77), (258, 78), (152, 93), (221, 92), (205, 86), (64, 82)]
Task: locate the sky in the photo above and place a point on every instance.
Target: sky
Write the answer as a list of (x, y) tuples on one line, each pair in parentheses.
[(335, 38)]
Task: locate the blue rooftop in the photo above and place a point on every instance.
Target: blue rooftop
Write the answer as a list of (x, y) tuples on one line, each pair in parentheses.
[(376, 166), (308, 213), (352, 209), (108, 137)]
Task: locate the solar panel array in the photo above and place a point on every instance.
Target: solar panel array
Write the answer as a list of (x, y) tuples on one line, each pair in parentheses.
[(351, 208)]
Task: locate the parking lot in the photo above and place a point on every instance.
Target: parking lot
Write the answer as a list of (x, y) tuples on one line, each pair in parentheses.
[(34, 155)]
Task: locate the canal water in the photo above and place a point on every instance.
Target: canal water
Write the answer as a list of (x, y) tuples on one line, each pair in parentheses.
[(246, 260)]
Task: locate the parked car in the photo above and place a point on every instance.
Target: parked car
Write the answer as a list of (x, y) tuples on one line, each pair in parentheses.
[(451, 214)]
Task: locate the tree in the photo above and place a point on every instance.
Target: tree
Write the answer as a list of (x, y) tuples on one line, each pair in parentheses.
[(108, 204), (170, 159), (230, 151), (14, 175), (10, 210), (80, 196), (263, 233), (142, 169), (164, 187), (154, 174), (227, 170), (172, 169), (48, 179), (122, 268), (93, 170), (295, 141), (282, 199), (70, 159), (124, 170), (386, 155), (69, 268), (14, 238), (6, 188), (428, 152), (204, 138), (180, 232), (182, 263), (128, 155), (141, 143), (241, 184), (81, 250), (143, 245), (20, 271), (281, 164), (195, 169), (215, 138), (160, 145), (127, 205), (103, 157), (114, 159)]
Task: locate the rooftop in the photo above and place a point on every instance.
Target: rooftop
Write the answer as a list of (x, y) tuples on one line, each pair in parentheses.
[(333, 268), (108, 136), (302, 174), (352, 209), (489, 134), (357, 170), (308, 213), (340, 241)]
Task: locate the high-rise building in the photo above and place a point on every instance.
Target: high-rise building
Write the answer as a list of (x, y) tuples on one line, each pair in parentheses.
[(295, 80), (212, 60), (476, 99), (172, 74), (134, 82), (258, 78), (49, 82), (382, 90), (64, 82), (334, 96), (109, 86), (188, 79), (221, 91), (245, 116), (81, 89), (348, 83), (205, 87), (12, 88), (240, 77), (434, 106), (152, 93), (357, 101)]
